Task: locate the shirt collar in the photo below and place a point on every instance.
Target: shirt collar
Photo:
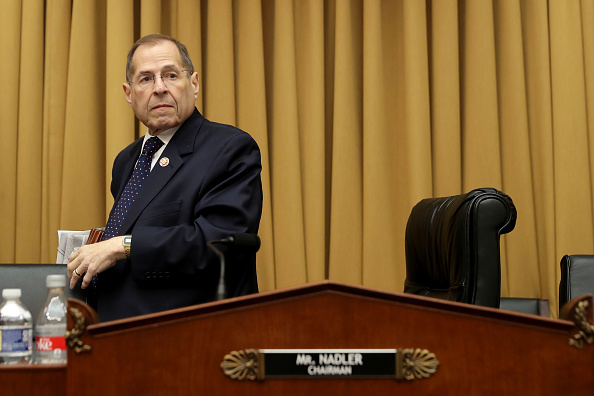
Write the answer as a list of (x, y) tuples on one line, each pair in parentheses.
[(165, 136)]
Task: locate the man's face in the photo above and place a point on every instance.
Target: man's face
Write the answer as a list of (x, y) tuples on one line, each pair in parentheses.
[(164, 104)]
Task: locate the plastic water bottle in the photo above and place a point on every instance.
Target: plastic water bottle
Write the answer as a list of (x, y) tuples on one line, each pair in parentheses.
[(50, 327), (16, 329)]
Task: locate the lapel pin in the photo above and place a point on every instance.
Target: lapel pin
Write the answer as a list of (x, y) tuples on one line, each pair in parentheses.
[(164, 162)]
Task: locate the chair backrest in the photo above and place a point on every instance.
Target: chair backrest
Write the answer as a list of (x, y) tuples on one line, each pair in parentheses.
[(30, 278), (452, 246), (532, 306), (577, 277)]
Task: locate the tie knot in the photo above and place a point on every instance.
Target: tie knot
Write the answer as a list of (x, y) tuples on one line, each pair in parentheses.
[(151, 146)]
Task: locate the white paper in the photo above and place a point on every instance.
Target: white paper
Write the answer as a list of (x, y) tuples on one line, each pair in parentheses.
[(68, 242)]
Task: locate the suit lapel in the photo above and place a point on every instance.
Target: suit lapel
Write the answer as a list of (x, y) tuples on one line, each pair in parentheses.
[(181, 144)]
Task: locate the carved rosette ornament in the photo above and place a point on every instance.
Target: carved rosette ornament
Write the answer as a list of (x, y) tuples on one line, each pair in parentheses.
[(586, 332), (415, 364), (73, 335), (242, 364)]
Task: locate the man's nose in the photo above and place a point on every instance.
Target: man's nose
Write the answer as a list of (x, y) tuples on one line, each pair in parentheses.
[(160, 85)]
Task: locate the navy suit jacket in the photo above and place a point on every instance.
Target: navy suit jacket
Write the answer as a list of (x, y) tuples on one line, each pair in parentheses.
[(209, 189)]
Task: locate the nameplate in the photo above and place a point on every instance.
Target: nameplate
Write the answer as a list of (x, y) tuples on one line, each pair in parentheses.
[(263, 364), (365, 363)]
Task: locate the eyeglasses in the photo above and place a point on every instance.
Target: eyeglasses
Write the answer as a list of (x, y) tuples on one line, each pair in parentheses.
[(146, 81)]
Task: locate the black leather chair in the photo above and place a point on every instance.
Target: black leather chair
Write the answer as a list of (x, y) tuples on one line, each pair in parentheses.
[(30, 278), (452, 246), (532, 306), (577, 277)]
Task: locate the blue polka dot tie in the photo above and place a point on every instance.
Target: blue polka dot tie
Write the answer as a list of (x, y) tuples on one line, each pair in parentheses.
[(141, 171), (117, 216)]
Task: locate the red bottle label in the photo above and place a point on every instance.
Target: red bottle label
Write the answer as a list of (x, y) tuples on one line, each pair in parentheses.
[(47, 344)]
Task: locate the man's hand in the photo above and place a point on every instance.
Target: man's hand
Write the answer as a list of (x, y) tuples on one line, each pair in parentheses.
[(93, 259)]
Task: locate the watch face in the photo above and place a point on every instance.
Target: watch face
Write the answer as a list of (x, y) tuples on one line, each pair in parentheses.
[(127, 240)]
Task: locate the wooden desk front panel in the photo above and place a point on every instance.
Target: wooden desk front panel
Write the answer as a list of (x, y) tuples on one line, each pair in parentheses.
[(33, 380), (481, 351)]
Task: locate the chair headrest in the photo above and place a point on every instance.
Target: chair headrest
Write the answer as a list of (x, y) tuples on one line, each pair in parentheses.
[(452, 246), (577, 277)]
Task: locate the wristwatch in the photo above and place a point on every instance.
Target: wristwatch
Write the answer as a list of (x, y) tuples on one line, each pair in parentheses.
[(127, 242)]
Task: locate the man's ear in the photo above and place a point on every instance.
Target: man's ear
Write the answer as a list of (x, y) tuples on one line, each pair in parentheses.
[(196, 83), (128, 92)]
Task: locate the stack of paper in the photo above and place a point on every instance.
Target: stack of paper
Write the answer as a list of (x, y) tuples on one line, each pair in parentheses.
[(68, 242)]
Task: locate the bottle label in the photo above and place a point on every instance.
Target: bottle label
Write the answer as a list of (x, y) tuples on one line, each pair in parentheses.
[(48, 344), (16, 340)]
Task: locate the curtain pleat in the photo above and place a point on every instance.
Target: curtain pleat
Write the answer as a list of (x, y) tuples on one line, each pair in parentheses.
[(360, 108), (10, 47), (572, 169), (151, 13), (119, 119), (385, 203), (251, 114), (520, 274), (55, 77), (535, 28), (481, 150), (346, 201), (444, 87), (30, 136), (218, 81), (311, 119), (285, 162), (83, 162), (189, 31)]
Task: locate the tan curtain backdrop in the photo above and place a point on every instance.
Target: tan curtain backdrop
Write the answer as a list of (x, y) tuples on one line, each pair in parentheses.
[(360, 108)]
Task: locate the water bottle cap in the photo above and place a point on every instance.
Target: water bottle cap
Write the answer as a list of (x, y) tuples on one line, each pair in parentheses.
[(11, 293), (55, 281)]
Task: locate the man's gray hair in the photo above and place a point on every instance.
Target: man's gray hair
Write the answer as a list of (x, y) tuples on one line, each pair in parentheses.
[(154, 39)]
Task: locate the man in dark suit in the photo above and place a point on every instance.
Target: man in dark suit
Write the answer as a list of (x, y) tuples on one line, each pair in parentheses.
[(202, 184)]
